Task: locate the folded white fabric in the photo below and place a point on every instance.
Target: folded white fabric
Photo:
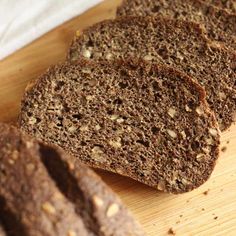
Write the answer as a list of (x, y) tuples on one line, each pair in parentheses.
[(22, 21)]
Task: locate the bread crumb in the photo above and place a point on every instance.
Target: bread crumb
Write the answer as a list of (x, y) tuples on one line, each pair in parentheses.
[(206, 192), (223, 149), (171, 231), (203, 209)]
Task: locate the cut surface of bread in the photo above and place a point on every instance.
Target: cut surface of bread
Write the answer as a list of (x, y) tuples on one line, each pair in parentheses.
[(219, 24), (147, 122), (230, 5), (178, 43), (45, 192)]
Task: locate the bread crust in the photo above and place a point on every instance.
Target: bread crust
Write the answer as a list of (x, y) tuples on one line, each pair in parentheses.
[(47, 192)]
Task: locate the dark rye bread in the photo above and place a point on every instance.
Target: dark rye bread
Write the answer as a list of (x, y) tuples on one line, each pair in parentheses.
[(147, 122), (45, 192), (230, 5), (175, 42), (219, 24)]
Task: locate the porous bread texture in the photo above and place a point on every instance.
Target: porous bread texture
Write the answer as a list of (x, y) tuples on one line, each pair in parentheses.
[(229, 5), (177, 43), (144, 121), (45, 192), (219, 23)]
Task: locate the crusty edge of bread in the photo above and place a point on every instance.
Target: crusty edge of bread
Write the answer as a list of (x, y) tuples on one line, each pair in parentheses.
[(199, 28)]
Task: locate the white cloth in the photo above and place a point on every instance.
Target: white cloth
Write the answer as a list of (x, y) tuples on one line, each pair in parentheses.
[(22, 21)]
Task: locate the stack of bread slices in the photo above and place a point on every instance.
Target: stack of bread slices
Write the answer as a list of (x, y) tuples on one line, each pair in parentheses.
[(144, 95)]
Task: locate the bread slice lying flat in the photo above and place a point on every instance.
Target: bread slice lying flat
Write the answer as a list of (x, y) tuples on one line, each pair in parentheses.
[(230, 5), (174, 42), (45, 192), (219, 23), (147, 122)]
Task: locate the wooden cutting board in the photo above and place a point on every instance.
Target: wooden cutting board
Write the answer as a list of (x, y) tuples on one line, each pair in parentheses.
[(209, 210)]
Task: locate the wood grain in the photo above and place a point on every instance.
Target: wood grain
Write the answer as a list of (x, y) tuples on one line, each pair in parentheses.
[(209, 210)]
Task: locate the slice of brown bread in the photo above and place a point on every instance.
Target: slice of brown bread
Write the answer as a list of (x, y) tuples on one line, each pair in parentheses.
[(220, 24), (230, 5), (174, 42), (45, 192), (147, 122)]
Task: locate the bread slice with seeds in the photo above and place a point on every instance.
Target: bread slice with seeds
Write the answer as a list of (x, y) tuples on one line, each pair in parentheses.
[(45, 192), (178, 43), (219, 23), (147, 122)]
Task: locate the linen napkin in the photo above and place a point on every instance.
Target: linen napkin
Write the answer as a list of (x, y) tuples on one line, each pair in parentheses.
[(22, 21)]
